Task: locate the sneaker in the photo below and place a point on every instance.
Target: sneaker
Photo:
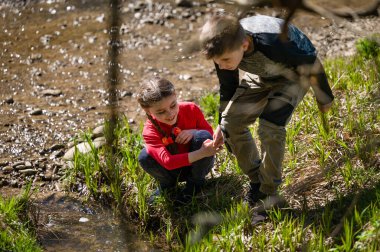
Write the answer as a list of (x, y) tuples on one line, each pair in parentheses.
[(254, 194)]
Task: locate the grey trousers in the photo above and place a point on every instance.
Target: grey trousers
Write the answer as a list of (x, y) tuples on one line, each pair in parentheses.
[(273, 103)]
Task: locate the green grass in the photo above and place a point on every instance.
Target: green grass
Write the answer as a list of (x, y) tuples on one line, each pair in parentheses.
[(331, 174), (16, 227)]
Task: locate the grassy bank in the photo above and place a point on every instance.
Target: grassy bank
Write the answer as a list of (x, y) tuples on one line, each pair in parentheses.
[(17, 228), (331, 178)]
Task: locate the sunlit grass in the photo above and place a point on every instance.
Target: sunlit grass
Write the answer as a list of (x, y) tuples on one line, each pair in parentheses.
[(17, 231)]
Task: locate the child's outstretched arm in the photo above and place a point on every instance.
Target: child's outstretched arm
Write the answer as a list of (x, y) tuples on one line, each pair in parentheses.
[(207, 150), (218, 138)]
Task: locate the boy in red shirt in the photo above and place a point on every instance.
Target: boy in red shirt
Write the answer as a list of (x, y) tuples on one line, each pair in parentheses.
[(178, 145)]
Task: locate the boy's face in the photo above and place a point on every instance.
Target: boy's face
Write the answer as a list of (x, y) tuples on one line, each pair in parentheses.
[(230, 60), (166, 110)]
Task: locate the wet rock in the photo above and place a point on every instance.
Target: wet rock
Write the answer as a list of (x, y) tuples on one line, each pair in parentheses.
[(71, 144), (185, 77), (84, 148), (9, 100), (126, 93), (184, 3), (19, 167), (35, 57), (48, 175), (36, 112), (92, 39), (45, 40), (139, 5), (100, 18), (18, 163), (43, 152), (14, 183), (7, 169), (98, 132), (83, 219), (5, 163), (51, 92), (57, 154), (56, 147), (28, 172)]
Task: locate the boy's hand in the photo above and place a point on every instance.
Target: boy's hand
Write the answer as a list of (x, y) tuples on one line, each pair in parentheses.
[(218, 137), (184, 136), (208, 148)]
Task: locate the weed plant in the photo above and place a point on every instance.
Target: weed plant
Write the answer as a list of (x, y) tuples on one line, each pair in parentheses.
[(331, 173), (17, 230)]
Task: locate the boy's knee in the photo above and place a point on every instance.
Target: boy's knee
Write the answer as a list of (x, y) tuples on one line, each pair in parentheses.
[(202, 135)]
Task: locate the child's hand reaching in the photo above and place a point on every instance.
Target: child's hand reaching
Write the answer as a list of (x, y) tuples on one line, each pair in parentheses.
[(208, 148), (184, 136), (218, 137)]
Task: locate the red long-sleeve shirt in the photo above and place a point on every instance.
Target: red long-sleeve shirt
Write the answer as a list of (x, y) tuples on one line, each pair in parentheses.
[(189, 117)]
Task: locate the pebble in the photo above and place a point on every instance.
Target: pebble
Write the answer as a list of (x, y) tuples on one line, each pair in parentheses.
[(83, 219), (14, 183), (98, 132), (28, 164), (84, 148), (185, 77), (18, 163), (126, 93), (28, 172), (20, 167), (5, 163), (51, 92), (7, 169), (184, 3), (35, 57), (55, 147), (9, 100), (36, 112), (57, 154), (47, 176)]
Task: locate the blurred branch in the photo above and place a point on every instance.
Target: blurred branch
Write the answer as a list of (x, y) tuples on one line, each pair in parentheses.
[(292, 6), (113, 70)]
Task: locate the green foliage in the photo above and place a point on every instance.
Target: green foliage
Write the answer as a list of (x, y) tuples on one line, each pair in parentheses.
[(210, 107), (369, 47), (16, 231)]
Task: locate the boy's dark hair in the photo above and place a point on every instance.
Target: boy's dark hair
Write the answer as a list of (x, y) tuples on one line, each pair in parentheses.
[(220, 34), (154, 90)]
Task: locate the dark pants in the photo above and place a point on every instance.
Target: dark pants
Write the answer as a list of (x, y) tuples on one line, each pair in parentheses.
[(194, 174)]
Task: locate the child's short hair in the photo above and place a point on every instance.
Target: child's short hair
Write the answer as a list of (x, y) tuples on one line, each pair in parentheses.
[(154, 90), (220, 34)]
